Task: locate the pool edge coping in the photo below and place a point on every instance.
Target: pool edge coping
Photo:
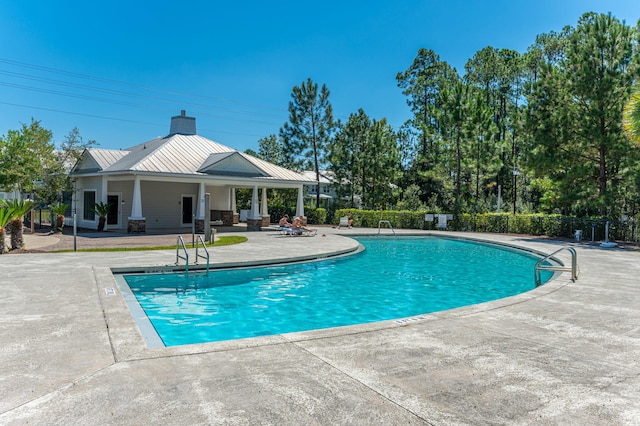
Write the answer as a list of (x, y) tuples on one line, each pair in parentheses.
[(131, 345)]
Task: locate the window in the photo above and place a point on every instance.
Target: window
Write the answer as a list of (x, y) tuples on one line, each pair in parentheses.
[(88, 205)]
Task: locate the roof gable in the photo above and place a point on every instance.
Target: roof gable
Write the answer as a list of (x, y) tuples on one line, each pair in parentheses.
[(95, 160), (230, 164)]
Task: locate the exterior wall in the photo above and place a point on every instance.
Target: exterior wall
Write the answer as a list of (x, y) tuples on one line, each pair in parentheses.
[(82, 185), (326, 189), (125, 189), (219, 205), (161, 202), (15, 195), (219, 197)]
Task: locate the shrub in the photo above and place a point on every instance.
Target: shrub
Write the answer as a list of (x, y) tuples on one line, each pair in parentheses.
[(316, 216), (552, 225)]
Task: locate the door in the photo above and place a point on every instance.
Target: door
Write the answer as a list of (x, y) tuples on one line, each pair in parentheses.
[(113, 217), (187, 209)]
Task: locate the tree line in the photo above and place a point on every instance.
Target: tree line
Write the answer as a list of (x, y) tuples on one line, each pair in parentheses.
[(542, 128), (31, 164)]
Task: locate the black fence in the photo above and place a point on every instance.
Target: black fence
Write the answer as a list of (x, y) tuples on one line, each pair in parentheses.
[(42, 218)]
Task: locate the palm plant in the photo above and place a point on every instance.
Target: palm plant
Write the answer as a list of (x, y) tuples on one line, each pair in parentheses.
[(6, 214), (631, 116), (102, 210), (18, 209), (59, 209)]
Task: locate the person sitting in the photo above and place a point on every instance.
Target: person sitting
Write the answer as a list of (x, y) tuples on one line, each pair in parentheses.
[(346, 221), (297, 225), (284, 222)]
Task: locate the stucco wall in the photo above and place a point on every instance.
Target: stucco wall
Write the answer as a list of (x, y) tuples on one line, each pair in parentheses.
[(162, 202), (82, 185), (219, 197), (125, 190)]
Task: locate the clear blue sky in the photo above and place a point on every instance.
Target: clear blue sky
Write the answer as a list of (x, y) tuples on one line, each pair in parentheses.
[(119, 70)]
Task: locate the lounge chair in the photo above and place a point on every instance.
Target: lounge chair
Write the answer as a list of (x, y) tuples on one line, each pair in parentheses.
[(290, 231)]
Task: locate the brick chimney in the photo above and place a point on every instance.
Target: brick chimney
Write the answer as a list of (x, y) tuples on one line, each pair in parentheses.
[(183, 125)]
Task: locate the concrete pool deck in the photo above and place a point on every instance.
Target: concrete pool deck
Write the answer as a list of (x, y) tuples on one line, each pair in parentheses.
[(564, 353)]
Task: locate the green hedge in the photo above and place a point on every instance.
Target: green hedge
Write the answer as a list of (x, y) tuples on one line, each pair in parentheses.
[(371, 218), (314, 216), (277, 211), (552, 225), (530, 224)]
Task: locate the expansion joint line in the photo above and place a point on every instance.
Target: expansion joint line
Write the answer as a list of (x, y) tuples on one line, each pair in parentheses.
[(341, 371), (104, 316)]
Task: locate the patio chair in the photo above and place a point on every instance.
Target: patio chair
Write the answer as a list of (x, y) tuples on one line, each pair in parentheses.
[(344, 221)]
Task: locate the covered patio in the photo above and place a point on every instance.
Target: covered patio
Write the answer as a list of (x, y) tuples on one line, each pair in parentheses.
[(179, 180)]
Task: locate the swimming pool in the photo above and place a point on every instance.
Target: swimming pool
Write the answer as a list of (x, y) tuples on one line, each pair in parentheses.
[(393, 278)]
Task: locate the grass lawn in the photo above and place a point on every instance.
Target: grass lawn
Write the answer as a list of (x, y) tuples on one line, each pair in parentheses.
[(226, 240)]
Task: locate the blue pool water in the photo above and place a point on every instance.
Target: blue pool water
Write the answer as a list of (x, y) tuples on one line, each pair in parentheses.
[(393, 278)]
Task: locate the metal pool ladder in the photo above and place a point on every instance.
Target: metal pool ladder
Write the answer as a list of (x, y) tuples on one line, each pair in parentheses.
[(200, 242), (557, 268), (380, 222), (180, 243), (185, 256)]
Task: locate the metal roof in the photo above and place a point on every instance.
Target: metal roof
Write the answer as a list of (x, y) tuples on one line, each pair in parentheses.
[(104, 157), (185, 155), (276, 172), (326, 176)]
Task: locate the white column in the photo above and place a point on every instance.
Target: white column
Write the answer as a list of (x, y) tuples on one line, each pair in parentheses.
[(300, 206), (136, 206), (232, 197), (255, 211), (104, 190), (200, 213), (264, 211)]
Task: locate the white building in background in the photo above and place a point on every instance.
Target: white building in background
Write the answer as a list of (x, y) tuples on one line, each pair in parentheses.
[(327, 185), (13, 195), (162, 183)]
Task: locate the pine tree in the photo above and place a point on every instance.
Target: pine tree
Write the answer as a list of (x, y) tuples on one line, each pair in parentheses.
[(309, 129)]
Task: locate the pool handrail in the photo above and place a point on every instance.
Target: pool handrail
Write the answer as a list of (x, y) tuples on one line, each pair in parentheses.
[(388, 223), (199, 242), (557, 268), (180, 242)]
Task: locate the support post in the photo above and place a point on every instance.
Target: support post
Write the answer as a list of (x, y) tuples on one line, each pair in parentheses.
[(202, 214), (254, 221), (137, 223), (233, 206), (264, 211), (300, 205)]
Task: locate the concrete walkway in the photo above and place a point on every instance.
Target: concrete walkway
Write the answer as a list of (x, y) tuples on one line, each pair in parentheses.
[(565, 353)]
